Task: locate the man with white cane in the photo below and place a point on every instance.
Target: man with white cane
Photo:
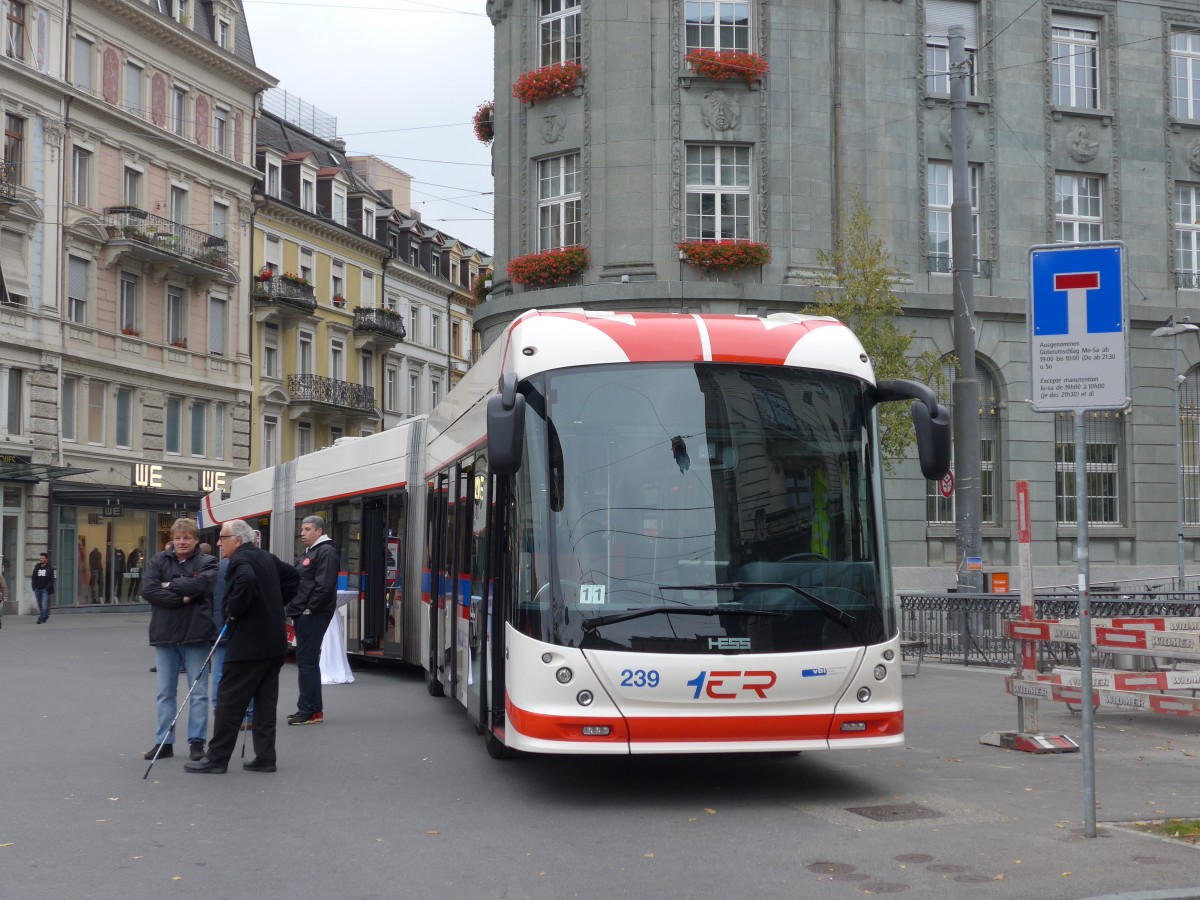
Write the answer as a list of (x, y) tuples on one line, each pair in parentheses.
[(256, 587)]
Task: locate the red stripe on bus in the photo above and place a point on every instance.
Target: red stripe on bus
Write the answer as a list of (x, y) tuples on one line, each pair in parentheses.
[(556, 728), (371, 490)]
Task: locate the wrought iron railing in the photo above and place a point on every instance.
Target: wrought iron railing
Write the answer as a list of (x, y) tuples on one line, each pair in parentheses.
[(128, 223), (1189, 281), (379, 321), (945, 264), (319, 389), (9, 173), (284, 292), (969, 628)]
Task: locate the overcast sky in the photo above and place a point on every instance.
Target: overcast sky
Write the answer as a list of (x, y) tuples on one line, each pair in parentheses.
[(403, 81)]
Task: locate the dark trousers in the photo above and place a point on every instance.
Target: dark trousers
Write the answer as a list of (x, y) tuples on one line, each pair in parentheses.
[(241, 682), (310, 632)]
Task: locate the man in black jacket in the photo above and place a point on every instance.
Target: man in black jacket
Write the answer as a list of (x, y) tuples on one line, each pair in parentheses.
[(255, 585), (42, 581), (311, 611), (178, 585)]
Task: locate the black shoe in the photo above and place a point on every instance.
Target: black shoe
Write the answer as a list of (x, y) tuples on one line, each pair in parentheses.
[(154, 668), (164, 752), (197, 750), (204, 766), (255, 766), (303, 718)]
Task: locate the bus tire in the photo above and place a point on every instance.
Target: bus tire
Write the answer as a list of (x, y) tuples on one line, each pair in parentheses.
[(496, 748), (434, 686)]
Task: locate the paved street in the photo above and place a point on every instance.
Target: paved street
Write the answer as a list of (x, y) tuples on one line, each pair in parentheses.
[(394, 796)]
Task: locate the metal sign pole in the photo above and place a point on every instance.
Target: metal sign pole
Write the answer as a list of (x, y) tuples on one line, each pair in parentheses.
[(1088, 742)]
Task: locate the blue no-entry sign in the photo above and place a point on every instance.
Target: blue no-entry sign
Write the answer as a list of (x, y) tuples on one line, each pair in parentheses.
[(1078, 327)]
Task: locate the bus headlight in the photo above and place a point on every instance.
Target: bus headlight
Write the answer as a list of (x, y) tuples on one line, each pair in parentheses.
[(880, 672), (564, 675), (584, 698), (547, 658), (864, 694)]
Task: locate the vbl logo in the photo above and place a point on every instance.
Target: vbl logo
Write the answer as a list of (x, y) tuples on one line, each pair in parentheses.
[(727, 685)]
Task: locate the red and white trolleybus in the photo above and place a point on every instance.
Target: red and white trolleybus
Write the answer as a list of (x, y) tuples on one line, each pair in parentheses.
[(629, 533)]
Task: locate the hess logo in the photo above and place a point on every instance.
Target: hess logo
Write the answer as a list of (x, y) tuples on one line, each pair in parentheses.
[(730, 685)]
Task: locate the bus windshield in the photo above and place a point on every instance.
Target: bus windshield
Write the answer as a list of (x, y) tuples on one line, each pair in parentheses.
[(688, 508)]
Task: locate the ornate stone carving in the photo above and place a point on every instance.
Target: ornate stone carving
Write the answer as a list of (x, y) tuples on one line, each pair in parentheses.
[(1082, 146), (1192, 149), (944, 131), (552, 128), (721, 111)]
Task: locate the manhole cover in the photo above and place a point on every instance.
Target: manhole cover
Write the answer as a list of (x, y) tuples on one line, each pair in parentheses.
[(830, 868), (895, 812)]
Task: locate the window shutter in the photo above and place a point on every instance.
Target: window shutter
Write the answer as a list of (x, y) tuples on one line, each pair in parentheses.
[(77, 278), (1079, 23), (941, 14)]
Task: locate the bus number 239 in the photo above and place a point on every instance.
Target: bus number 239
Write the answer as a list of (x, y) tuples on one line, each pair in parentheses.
[(729, 685)]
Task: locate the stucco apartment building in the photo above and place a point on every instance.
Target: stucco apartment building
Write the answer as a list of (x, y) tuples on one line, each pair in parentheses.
[(124, 226), (1084, 124)]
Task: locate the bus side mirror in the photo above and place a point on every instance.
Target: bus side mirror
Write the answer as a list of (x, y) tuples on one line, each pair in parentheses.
[(506, 427), (931, 421)]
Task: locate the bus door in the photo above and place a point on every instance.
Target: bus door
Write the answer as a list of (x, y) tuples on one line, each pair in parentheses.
[(459, 597), (477, 595), (374, 563), (435, 569)]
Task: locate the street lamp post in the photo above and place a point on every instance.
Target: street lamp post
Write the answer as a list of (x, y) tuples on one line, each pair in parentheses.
[(1174, 329)]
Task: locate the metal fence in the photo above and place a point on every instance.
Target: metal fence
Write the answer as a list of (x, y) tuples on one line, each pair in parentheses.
[(968, 628)]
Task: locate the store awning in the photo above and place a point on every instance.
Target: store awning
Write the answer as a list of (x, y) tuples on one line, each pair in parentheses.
[(20, 469)]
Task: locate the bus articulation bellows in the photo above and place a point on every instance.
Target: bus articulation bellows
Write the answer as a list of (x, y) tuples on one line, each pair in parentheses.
[(629, 533)]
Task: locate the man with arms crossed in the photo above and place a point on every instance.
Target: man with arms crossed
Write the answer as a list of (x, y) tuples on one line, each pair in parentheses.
[(255, 585), (311, 611)]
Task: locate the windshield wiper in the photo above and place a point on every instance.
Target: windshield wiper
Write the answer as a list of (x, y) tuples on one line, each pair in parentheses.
[(596, 621), (835, 612)]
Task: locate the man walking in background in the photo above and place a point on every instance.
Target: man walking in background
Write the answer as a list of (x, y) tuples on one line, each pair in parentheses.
[(255, 585), (42, 582), (311, 611)]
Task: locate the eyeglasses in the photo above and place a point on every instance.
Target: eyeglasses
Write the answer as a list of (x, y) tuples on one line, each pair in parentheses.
[(224, 537)]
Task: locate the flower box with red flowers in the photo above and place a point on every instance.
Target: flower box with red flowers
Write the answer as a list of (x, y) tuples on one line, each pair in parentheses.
[(339, 301), (547, 82), (549, 267), (727, 65), (264, 276), (483, 122), (724, 256)]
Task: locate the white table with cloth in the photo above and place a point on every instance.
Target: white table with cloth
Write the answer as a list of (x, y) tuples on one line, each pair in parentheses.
[(335, 665)]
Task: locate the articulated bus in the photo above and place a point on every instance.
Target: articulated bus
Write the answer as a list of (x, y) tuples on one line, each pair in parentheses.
[(629, 533)]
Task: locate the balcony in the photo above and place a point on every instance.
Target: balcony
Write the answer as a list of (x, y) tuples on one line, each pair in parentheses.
[(8, 182), (377, 326), (332, 395), (283, 295), (138, 234), (945, 264), (1188, 281)]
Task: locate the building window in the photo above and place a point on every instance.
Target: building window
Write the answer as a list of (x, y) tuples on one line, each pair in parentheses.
[(1075, 61), (305, 355), (339, 206), (1187, 236), (367, 369), (337, 280), (81, 176), (179, 111), (368, 220), (939, 16), (1103, 435), (127, 313), (414, 317), (131, 187), (273, 253), (96, 412), (559, 26), (1185, 75), (939, 196), (939, 510), (85, 53), (124, 436), (1077, 209), (435, 262), (717, 25), (224, 34), (14, 45), (270, 364), (435, 388), (221, 130), (414, 382), (218, 327), (14, 144), (220, 220), (274, 178), (391, 389), (1189, 427), (308, 195), (133, 89), (174, 426), (270, 445), (306, 264), (219, 430), (70, 407), (718, 193), (179, 204), (559, 206), (199, 427), (455, 338), (335, 433), (13, 415), (337, 360), (304, 438), (367, 298), (176, 316), (77, 290), (435, 337)]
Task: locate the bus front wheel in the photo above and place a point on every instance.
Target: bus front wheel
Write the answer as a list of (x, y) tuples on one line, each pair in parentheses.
[(433, 685), (496, 748)]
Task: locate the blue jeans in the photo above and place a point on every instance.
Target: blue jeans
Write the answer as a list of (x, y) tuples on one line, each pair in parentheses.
[(169, 658), (310, 632), (218, 665), (43, 602)]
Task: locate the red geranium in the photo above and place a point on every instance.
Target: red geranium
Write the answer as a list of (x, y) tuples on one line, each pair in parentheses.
[(483, 121), (727, 65), (725, 256), (548, 267), (547, 82)]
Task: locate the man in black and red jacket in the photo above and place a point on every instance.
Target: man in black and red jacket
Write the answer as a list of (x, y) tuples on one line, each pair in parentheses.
[(311, 611), (255, 585)]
